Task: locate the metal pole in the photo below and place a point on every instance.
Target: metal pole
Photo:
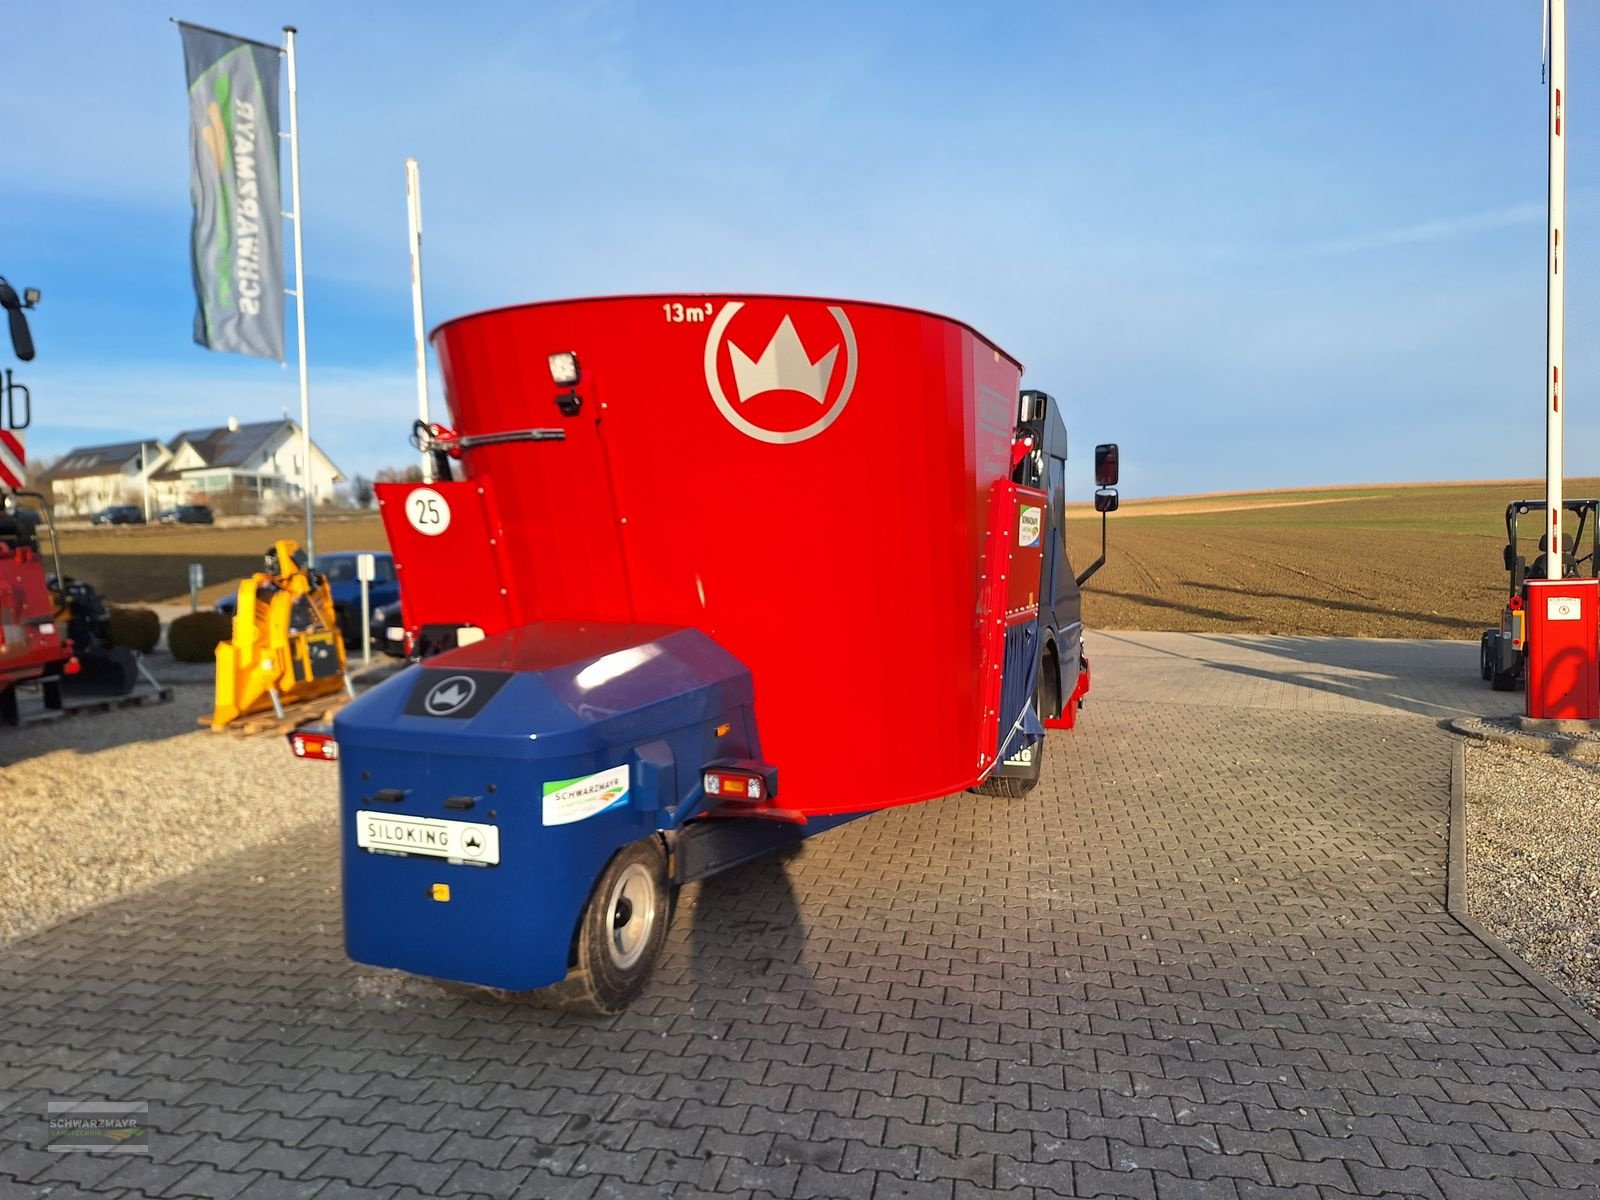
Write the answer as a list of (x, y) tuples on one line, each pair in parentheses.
[(418, 326), (1556, 299), (366, 621), (300, 292)]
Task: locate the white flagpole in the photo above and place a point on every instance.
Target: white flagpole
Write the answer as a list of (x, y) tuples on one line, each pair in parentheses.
[(299, 292), (1556, 297), (418, 325)]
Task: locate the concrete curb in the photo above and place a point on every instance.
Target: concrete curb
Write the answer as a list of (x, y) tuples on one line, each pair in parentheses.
[(1583, 750), (1456, 902)]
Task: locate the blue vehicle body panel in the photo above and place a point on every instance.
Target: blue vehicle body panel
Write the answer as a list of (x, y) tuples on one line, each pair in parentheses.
[(564, 701)]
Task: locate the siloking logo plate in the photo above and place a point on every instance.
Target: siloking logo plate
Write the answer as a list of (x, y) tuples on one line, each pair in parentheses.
[(455, 695)]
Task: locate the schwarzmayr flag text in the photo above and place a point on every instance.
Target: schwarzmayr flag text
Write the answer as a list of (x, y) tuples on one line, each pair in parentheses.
[(237, 242)]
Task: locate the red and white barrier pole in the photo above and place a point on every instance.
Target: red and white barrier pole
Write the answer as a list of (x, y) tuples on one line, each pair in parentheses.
[(1556, 293), (1563, 665)]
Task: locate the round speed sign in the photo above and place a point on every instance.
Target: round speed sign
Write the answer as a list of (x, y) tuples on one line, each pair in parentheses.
[(428, 511)]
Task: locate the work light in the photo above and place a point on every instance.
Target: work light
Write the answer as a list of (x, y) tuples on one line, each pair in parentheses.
[(564, 368), (30, 297)]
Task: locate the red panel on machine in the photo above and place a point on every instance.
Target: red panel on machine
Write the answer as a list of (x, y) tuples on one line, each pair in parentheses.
[(447, 546), (1010, 590), (1563, 667), (807, 481)]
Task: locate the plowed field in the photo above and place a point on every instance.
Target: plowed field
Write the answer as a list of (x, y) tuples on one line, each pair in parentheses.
[(1397, 561), (1387, 561)]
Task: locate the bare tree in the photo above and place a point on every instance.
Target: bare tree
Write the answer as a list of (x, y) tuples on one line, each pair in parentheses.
[(39, 473)]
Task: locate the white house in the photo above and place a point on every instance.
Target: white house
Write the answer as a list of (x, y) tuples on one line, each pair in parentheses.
[(259, 461), (89, 478), (255, 466)]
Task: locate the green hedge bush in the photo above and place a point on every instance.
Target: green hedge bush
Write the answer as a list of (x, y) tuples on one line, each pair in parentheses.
[(193, 637), (136, 628)]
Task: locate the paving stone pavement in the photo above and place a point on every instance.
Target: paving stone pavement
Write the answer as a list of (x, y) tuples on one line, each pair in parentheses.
[(1207, 957)]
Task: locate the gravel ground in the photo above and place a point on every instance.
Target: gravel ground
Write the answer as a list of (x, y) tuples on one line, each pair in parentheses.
[(1515, 727), (1533, 861), (101, 804)]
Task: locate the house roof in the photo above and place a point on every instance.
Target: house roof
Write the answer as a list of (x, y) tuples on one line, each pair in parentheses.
[(84, 461), (224, 447)]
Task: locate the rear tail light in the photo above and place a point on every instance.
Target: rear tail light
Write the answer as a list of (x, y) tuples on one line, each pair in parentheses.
[(734, 785), (320, 746), (740, 779)]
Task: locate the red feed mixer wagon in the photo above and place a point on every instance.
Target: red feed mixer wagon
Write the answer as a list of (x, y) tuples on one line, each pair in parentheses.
[(700, 576)]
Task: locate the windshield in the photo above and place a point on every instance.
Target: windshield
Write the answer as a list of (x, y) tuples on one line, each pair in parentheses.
[(338, 570)]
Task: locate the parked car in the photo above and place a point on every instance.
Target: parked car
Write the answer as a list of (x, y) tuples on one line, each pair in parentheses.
[(340, 568), (119, 514), (389, 630), (186, 514)]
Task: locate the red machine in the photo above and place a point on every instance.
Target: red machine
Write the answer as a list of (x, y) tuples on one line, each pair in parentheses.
[(832, 533), (33, 644), (704, 545), (1563, 648)]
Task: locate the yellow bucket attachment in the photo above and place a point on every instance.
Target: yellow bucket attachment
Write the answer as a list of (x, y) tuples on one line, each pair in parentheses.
[(286, 645)]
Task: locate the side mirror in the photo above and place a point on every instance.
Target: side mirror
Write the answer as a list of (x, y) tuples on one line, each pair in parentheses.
[(1105, 467), (1511, 557), (1105, 499), (21, 338)]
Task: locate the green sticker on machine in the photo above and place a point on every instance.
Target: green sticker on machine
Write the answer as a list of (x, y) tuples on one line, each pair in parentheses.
[(570, 800)]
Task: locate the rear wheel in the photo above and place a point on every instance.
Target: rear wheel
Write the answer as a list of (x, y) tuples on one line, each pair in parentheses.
[(9, 713), (1488, 651), (620, 934), (1504, 681)]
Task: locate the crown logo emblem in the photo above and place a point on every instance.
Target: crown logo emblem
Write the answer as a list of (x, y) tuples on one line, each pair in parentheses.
[(783, 366)]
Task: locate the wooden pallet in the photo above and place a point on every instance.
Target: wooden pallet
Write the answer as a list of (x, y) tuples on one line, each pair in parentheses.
[(71, 706), (267, 724)]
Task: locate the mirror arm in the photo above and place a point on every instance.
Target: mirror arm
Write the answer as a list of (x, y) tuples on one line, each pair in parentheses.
[(55, 544), (1099, 562)]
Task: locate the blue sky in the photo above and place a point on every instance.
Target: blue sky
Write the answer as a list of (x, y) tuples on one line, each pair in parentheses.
[(1257, 243)]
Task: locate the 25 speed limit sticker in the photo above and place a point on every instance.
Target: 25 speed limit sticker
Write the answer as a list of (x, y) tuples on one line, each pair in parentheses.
[(428, 511)]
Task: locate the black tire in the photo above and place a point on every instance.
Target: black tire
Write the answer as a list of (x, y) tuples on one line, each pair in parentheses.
[(1504, 681), (349, 624), (10, 714), (1487, 653), (1049, 688), (51, 688), (1006, 787), (620, 934)]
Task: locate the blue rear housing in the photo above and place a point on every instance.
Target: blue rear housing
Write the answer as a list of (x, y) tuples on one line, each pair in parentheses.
[(565, 700)]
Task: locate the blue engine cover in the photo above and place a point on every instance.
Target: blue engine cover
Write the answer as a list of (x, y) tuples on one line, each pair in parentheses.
[(549, 747)]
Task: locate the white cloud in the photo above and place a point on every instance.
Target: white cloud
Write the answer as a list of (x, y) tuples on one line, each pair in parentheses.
[(1432, 231)]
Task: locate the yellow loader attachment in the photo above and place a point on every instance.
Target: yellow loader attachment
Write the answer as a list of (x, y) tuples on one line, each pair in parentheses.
[(286, 645)]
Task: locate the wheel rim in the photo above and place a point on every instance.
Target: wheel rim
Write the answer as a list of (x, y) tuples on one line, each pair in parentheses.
[(630, 915)]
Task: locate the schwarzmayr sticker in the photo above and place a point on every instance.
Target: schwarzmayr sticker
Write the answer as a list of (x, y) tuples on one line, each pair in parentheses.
[(1029, 524), (569, 800)]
